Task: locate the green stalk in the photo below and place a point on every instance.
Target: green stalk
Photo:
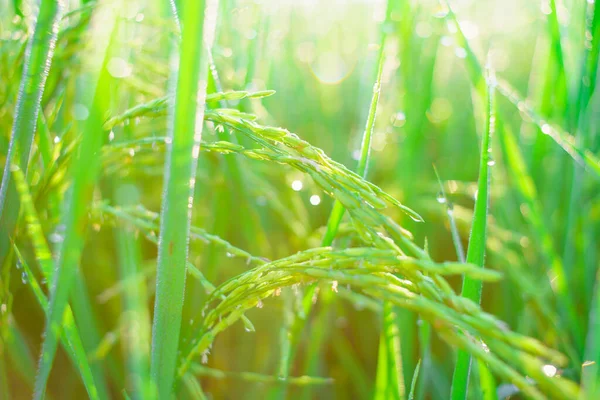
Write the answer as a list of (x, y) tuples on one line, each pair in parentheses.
[(413, 384), (591, 369), (85, 171), (38, 59), (185, 131), (583, 140), (476, 251), (72, 337), (71, 340), (390, 378), (137, 320), (19, 355)]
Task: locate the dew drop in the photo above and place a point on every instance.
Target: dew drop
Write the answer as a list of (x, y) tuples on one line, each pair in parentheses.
[(460, 52), (399, 119), (491, 162), (446, 41), (56, 237), (297, 185), (441, 198), (549, 370), (24, 277), (415, 218), (315, 200), (546, 129)]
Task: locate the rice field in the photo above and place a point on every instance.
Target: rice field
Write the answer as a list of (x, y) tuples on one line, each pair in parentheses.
[(311, 199)]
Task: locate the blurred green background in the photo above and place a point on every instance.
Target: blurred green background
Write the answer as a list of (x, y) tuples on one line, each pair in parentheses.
[(321, 58)]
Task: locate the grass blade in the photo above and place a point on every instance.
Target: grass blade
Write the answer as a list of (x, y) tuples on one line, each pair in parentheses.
[(529, 197), (43, 255), (476, 251), (178, 194), (38, 59), (70, 338), (136, 315), (390, 378), (413, 384), (85, 170)]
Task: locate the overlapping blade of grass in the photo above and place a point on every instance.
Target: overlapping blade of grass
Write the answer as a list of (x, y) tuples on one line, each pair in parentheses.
[(44, 258), (135, 314), (583, 156), (70, 338), (471, 289), (178, 194), (38, 59), (566, 141), (85, 171), (582, 121), (82, 307), (553, 94), (528, 194)]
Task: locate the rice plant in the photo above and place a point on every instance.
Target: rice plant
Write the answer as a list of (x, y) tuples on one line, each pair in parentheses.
[(273, 199)]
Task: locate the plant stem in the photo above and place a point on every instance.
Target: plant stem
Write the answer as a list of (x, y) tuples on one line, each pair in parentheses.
[(185, 131), (476, 251)]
